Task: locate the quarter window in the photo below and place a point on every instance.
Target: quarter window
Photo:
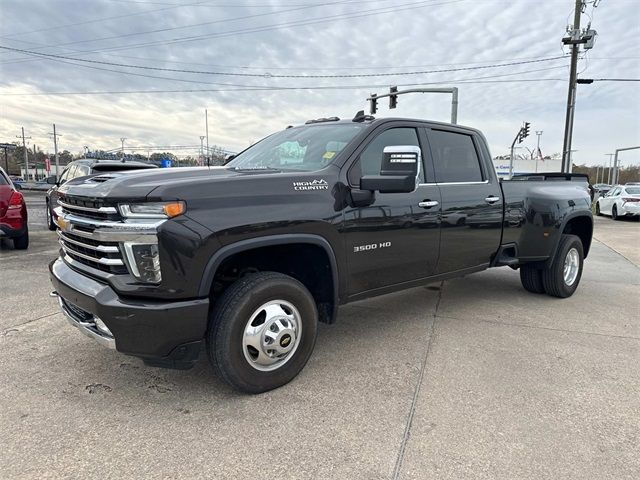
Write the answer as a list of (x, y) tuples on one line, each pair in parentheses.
[(455, 157), (370, 159)]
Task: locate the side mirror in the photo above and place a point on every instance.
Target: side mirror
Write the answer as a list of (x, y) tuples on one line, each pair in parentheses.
[(52, 180), (398, 172)]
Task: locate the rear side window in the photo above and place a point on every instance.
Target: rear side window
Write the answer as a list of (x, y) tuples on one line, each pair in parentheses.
[(633, 190), (455, 157)]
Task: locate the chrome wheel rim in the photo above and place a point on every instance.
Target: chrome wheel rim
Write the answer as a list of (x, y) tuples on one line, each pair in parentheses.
[(571, 266), (272, 335)]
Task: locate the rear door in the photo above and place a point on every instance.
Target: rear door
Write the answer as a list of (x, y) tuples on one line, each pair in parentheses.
[(394, 239), (471, 225)]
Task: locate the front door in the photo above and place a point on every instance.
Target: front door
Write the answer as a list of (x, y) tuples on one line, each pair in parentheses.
[(394, 239), (471, 226)]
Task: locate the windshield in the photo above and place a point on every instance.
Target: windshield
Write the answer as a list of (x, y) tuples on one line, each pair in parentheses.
[(305, 148)]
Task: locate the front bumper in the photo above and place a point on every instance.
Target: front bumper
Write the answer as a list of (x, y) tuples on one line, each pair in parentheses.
[(154, 330)]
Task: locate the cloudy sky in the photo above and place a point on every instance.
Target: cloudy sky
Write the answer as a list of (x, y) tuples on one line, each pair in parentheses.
[(266, 64)]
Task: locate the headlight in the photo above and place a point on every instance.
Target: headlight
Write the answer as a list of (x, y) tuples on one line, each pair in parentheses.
[(153, 210), (143, 260)]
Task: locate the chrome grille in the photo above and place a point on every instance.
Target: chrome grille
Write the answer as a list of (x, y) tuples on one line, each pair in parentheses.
[(102, 255), (88, 208)]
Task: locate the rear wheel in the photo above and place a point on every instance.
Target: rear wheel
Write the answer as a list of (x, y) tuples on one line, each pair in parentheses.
[(262, 331), (563, 276), (50, 223), (614, 213), (531, 278), (598, 209), (21, 242)]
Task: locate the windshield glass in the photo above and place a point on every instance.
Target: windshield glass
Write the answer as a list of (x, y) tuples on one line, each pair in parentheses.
[(305, 148)]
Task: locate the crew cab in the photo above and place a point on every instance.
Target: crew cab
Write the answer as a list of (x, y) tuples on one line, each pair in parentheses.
[(247, 258), (82, 168)]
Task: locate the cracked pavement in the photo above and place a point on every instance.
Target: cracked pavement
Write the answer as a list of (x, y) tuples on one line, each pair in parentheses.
[(468, 378)]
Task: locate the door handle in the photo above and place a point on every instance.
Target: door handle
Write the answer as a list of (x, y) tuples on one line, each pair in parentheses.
[(491, 199), (428, 204)]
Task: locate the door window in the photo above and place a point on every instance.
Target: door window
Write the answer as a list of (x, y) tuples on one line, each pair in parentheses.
[(370, 159), (455, 157)]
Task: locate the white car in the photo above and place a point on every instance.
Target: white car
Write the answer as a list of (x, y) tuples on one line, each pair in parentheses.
[(620, 201)]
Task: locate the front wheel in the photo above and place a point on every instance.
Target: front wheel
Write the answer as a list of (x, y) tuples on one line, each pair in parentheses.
[(562, 277), (262, 331), (598, 213)]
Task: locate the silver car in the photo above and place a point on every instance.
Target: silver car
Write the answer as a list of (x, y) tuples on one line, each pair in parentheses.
[(620, 201)]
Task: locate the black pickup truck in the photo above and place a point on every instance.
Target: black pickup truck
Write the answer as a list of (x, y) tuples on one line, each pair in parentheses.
[(246, 258)]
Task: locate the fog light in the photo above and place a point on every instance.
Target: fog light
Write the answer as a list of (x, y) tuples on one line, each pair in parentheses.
[(144, 261), (102, 328)]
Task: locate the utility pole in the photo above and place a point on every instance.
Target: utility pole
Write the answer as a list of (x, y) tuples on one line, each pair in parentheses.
[(201, 149), (122, 139), (571, 96), (609, 169), (26, 155), (538, 153), (55, 148), (206, 125), (575, 38)]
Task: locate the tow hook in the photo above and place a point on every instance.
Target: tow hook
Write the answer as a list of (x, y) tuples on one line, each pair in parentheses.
[(54, 294)]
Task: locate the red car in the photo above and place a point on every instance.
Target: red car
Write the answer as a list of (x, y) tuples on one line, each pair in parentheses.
[(13, 213)]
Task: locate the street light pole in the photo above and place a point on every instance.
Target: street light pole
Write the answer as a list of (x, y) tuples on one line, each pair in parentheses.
[(538, 154), (202, 148), (206, 124), (609, 169), (122, 139)]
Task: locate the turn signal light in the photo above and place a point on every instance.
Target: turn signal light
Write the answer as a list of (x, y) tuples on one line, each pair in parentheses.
[(174, 209)]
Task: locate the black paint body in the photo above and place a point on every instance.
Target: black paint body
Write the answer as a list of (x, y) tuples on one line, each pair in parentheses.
[(230, 212)]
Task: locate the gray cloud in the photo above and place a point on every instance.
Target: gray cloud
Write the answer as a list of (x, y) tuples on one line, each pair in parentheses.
[(464, 32)]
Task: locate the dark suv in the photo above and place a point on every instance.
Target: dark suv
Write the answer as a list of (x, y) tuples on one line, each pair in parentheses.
[(82, 168)]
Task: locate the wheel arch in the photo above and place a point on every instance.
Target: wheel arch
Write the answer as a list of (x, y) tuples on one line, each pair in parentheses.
[(579, 224), (272, 243)]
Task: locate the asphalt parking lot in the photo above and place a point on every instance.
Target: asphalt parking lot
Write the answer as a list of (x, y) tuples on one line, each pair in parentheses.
[(470, 378)]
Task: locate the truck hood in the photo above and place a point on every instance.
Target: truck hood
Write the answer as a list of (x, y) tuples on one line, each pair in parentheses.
[(193, 183), (140, 184)]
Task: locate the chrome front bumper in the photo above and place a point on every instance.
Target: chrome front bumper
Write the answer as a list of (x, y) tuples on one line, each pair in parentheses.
[(86, 326)]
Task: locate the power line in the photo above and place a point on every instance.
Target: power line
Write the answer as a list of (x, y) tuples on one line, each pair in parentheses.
[(479, 80), (342, 16), (97, 20), (202, 24), (269, 75)]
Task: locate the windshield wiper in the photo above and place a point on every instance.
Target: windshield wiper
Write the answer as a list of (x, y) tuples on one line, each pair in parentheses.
[(269, 169)]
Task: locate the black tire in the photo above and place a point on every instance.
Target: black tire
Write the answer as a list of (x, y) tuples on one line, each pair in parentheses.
[(553, 277), (229, 318), (531, 278), (50, 223), (614, 213), (21, 242), (598, 213)]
